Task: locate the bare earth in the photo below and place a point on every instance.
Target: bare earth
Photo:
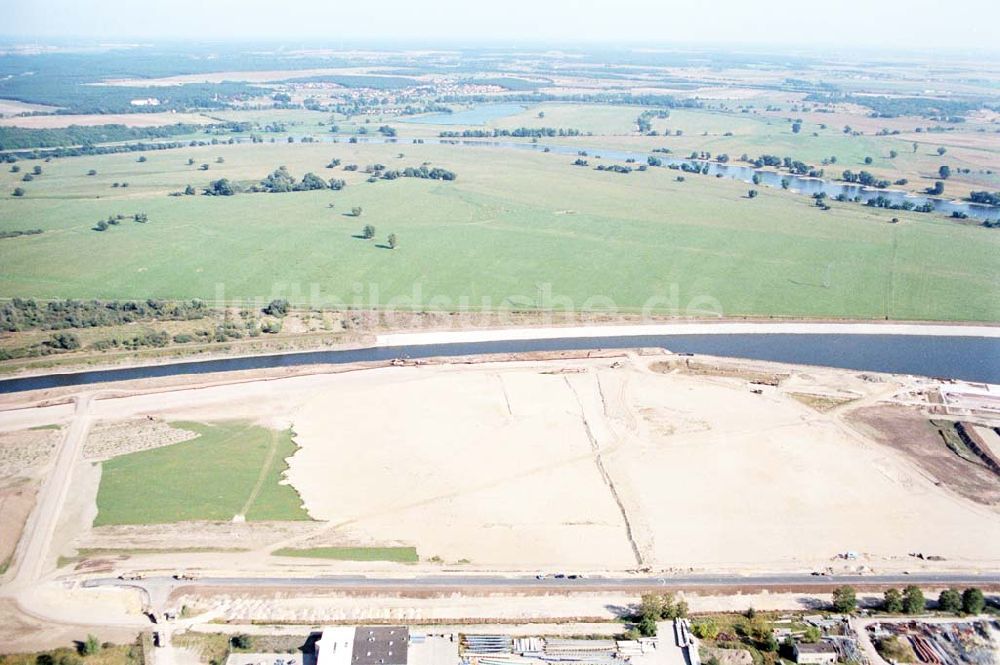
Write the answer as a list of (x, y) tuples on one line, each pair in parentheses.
[(498, 464)]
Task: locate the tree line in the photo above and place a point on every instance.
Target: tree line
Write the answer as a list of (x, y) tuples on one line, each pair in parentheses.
[(520, 132), (20, 314)]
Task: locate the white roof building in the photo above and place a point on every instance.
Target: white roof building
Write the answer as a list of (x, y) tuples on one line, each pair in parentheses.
[(336, 646)]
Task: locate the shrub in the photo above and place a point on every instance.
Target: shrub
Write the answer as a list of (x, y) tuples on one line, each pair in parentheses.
[(18, 191), (90, 646), (240, 641), (705, 629)]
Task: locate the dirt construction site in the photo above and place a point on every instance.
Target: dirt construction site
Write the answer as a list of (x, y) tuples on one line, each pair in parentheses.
[(591, 464)]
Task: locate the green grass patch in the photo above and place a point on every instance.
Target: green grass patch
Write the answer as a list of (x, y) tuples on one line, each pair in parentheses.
[(229, 469), (86, 552), (39, 427), (514, 227), (396, 554)]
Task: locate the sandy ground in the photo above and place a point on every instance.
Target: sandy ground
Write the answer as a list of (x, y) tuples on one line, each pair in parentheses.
[(128, 119), (992, 439), (465, 609), (497, 465), (111, 439), (452, 336), (498, 460), (20, 633)]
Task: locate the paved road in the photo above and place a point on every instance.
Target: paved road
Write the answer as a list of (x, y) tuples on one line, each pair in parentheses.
[(466, 581)]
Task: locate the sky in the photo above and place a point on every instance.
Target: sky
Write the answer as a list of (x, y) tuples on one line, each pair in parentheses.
[(908, 24)]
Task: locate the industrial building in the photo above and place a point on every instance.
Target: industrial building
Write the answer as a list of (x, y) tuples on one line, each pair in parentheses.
[(820, 653), (363, 645)]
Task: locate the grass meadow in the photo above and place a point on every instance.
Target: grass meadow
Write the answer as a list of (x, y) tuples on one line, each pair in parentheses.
[(230, 469), (513, 229), (396, 554)]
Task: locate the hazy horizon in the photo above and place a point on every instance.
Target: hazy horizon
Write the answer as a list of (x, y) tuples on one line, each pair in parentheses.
[(914, 25)]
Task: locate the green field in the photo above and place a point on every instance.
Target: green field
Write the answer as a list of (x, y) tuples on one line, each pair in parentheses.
[(516, 230), (230, 469), (397, 554)]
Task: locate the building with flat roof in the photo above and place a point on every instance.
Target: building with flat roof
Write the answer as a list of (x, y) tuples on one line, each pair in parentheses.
[(335, 646), (820, 653), (380, 645)]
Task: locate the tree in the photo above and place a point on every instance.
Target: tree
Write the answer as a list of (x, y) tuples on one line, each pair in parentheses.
[(392, 241), (219, 160), (90, 646), (755, 179), (937, 189), (311, 181), (142, 158), (18, 191), (752, 193), (892, 601), (356, 211), (868, 160), (190, 161), (189, 191), (92, 172), (651, 606), (785, 183), (203, 167), (15, 169), (368, 232), (950, 600), (647, 627), (914, 146), (913, 600), (944, 171), (812, 634), (845, 600), (64, 341), (277, 307), (101, 226), (796, 127), (941, 151), (37, 170), (220, 187), (973, 601), (893, 154)]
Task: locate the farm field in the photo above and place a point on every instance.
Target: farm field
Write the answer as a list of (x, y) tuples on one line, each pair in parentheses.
[(516, 230), (230, 469), (127, 119)]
